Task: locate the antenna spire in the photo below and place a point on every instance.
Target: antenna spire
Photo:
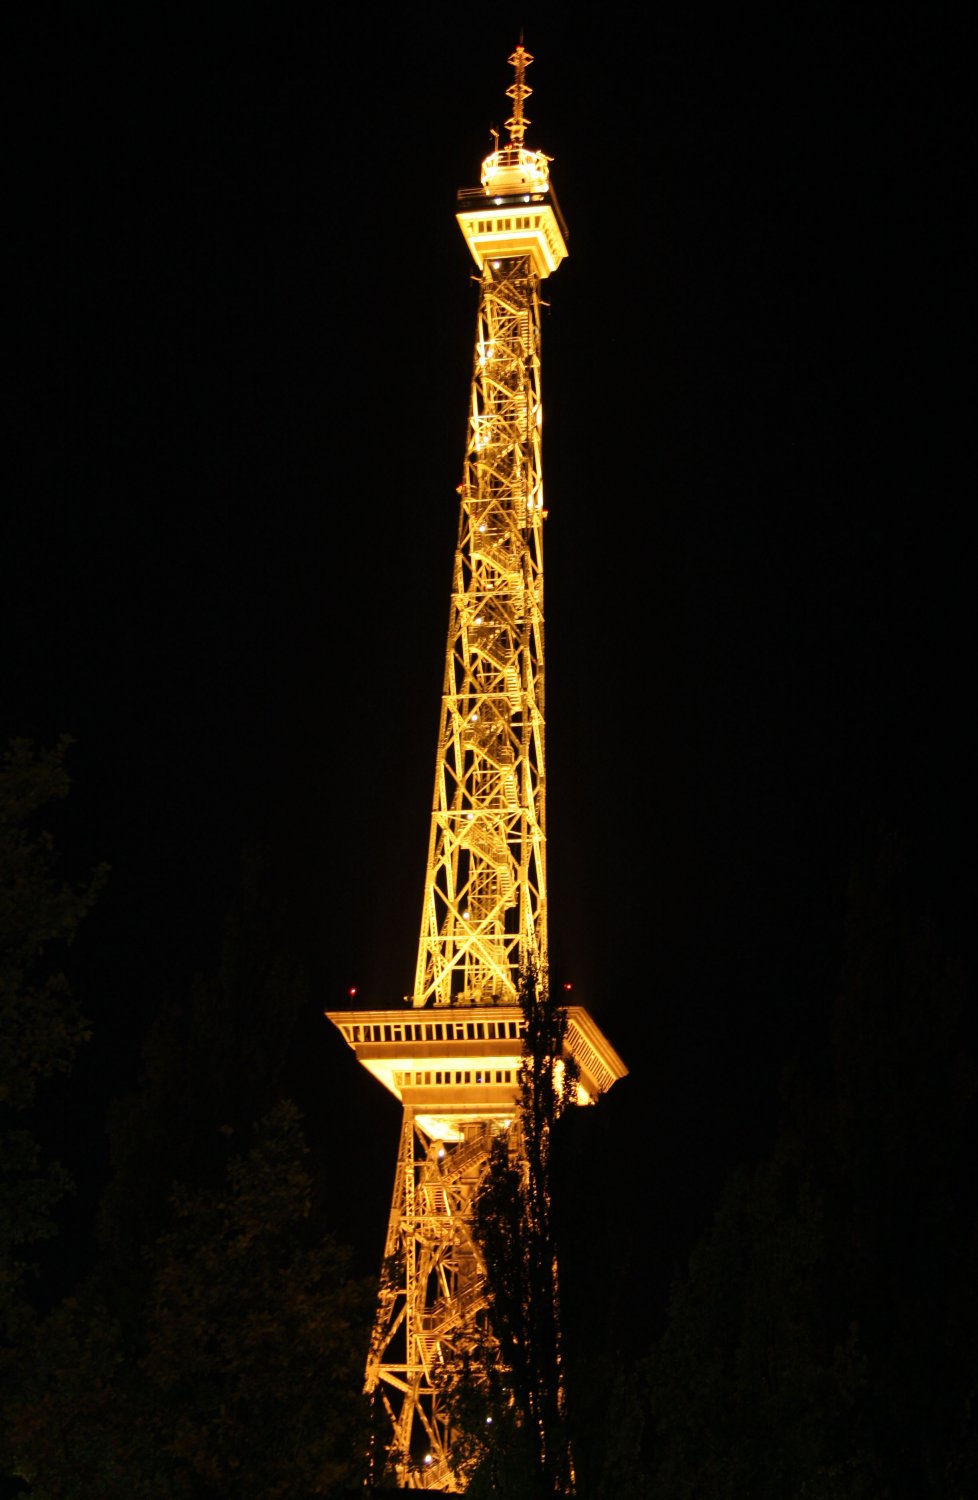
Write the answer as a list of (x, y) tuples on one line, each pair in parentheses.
[(512, 168), (519, 92)]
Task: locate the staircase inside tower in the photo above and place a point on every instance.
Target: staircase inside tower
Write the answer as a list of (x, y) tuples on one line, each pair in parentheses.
[(432, 1315)]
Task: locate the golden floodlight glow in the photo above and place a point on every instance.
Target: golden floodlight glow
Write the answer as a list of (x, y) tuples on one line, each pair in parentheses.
[(452, 1054)]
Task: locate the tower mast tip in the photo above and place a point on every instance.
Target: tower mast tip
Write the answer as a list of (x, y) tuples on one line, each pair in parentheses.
[(513, 168)]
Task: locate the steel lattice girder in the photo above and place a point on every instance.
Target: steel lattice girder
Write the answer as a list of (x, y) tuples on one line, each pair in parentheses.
[(484, 916), (432, 1302), (484, 911)]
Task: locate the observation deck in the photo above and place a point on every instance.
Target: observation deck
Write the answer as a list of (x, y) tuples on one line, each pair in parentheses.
[(461, 1063), (514, 212)]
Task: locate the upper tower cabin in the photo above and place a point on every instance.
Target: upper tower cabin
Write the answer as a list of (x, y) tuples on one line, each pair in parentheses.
[(515, 211)]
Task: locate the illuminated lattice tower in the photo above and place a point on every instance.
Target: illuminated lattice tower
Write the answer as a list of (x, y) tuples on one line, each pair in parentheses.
[(453, 1056)]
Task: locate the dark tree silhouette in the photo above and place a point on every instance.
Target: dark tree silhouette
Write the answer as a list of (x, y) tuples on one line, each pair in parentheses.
[(529, 1451), (821, 1342), (213, 1062), (244, 1377), (41, 1026)]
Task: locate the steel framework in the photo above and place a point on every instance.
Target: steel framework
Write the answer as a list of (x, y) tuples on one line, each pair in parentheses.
[(485, 903), (453, 1057)]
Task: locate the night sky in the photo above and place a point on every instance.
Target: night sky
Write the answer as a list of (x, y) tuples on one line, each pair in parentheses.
[(239, 327)]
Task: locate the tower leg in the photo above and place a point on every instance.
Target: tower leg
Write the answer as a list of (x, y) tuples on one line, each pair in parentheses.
[(431, 1312)]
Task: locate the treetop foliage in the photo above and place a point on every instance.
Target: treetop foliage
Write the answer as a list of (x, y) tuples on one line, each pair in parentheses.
[(240, 1376), (41, 1027), (527, 1446)]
